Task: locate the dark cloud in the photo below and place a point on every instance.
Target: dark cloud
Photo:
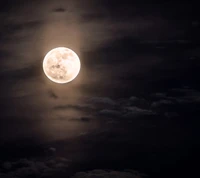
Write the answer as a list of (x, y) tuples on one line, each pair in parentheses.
[(28, 72), (52, 149), (132, 112), (109, 113), (160, 103), (140, 102), (18, 27), (82, 119), (34, 168), (132, 107), (52, 94), (86, 108), (170, 104), (158, 95), (176, 101), (92, 17), (6, 165), (163, 105), (60, 9), (4, 54), (101, 100), (167, 43), (112, 173)]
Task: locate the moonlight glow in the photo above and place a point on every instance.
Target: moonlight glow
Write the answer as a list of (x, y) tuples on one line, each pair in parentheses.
[(61, 65)]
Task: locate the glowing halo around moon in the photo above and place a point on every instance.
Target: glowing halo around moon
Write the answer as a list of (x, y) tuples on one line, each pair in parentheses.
[(61, 65)]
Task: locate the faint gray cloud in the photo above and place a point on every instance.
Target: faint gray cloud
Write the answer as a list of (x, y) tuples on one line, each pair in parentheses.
[(60, 9), (109, 113), (158, 95), (140, 102), (81, 119), (34, 168), (101, 100), (105, 173), (132, 112), (52, 94), (81, 107)]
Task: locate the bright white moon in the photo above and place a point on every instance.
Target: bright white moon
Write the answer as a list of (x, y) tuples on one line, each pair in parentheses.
[(61, 65)]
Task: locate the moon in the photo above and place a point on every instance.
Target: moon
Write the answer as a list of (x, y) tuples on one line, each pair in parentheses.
[(61, 65)]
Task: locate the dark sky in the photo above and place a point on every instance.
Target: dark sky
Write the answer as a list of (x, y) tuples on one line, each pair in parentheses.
[(134, 105)]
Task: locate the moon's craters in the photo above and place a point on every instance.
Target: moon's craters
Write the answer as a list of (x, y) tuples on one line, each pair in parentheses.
[(61, 65), (58, 71)]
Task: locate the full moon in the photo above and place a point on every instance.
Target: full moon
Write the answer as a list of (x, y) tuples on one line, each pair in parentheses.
[(61, 65)]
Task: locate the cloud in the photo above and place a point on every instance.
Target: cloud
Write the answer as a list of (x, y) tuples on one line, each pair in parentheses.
[(131, 112), (91, 17), (158, 95), (83, 107), (109, 113), (140, 102), (60, 9), (20, 29), (81, 119), (122, 108), (160, 103), (7, 165), (98, 173), (52, 149), (184, 95), (184, 91), (52, 94), (165, 42), (34, 168), (102, 100), (27, 72), (176, 102)]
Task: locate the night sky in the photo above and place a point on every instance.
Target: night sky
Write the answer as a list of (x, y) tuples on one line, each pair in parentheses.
[(133, 111)]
